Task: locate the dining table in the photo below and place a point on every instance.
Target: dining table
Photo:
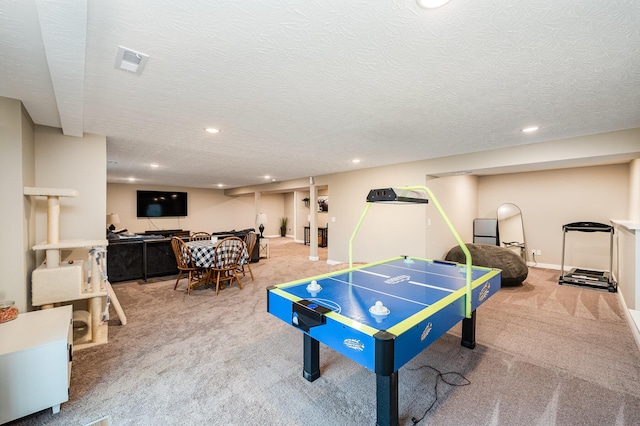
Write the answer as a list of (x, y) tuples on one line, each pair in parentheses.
[(203, 256), (203, 253)]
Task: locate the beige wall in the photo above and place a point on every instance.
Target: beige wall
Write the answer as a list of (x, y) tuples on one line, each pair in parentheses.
[(634, 190), (458, 196), (16, 171), (209, 210), (289, 213), (72, 163), (273, 206), (548, 198), (393, 230), (43, 157), (304, 212), (388, 230), (552, 198)]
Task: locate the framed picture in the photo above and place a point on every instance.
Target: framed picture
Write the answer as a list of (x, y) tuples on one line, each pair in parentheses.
[(323, 203)]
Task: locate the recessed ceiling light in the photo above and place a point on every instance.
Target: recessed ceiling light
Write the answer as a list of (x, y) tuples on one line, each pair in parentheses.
[(355, 160), (155, 166), (212, 130), (220, 185), (132, 179), (273, 179), (431, 4), (530, 129), (267, 177)]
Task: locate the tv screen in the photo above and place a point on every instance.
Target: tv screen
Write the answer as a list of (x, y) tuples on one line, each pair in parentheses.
[(161, 203)]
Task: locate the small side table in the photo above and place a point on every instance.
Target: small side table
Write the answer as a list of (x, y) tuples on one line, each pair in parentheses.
[(35, 362), (264, 247)]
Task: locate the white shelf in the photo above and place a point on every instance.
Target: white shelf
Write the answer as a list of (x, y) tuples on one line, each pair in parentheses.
[(69, 244), (630, 225), (50, 192)]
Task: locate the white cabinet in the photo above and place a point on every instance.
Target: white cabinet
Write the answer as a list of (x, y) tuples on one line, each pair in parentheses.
[(35, 362)]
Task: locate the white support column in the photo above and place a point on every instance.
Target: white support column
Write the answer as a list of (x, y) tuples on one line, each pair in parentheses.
[(313, 223)]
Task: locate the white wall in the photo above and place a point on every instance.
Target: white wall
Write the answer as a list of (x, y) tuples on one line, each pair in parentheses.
[(627, 268), (627, 263)]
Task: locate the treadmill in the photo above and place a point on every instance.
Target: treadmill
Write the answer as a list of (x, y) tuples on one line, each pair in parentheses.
[(586, 277)]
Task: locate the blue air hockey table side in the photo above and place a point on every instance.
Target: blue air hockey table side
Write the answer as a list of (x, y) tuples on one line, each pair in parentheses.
[(422, 300)]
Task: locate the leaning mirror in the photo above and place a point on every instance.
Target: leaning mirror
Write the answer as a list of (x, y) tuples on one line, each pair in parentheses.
[(510, 228)]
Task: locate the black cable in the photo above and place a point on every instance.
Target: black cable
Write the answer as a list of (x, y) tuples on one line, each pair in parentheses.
[(440, 376)]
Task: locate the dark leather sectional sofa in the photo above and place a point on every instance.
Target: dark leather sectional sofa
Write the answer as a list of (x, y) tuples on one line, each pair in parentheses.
[(255, 254)]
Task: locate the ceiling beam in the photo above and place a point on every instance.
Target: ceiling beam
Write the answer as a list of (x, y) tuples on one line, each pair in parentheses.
[(64, 34)]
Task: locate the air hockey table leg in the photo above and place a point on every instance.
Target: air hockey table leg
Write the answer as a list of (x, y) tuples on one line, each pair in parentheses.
[(387, 400), (311, 350), (469, 331)]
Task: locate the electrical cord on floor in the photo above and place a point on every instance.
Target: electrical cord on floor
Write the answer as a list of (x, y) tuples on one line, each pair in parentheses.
[(535, 262), (440, 376)]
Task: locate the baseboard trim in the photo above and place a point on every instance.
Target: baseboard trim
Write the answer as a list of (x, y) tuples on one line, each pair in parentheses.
[(633, 318), (544, 265)]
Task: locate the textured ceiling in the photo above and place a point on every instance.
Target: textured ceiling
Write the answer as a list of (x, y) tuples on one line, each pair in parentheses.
[(299, 88)]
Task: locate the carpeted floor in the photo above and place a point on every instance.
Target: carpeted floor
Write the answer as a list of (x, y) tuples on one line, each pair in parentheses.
[(546, 355)]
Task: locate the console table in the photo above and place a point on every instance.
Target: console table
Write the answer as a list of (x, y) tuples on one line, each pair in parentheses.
[(323, 234), (35, 362), (264, 247), (140, 258), (168, 233)]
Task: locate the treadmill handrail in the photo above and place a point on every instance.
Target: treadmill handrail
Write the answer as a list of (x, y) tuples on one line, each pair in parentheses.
[(587, 227)]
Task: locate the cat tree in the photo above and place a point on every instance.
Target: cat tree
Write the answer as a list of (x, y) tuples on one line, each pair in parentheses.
[(55, 282)]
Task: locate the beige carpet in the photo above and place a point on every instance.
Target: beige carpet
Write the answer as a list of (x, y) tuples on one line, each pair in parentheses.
[(546, 355)]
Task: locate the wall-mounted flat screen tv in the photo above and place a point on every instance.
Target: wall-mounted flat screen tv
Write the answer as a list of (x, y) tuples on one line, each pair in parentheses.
[(161, 203)]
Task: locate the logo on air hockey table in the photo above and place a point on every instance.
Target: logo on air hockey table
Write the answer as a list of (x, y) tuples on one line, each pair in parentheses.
[(397, 279), (426, 331), (354, 344), (484, 292)]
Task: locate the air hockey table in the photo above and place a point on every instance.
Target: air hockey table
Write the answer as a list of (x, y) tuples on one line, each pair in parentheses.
[(382, 314)]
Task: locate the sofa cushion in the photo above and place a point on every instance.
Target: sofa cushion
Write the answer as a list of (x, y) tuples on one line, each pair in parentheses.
[(255, 254), (514, 268), (233, 233)]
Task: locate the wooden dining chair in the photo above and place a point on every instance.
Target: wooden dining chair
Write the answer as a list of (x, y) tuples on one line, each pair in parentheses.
[(195, 275), (226, 259), (198, 236), (250, 242)]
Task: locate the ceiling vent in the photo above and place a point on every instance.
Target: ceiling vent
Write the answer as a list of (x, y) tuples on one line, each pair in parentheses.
[(130, 60)]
